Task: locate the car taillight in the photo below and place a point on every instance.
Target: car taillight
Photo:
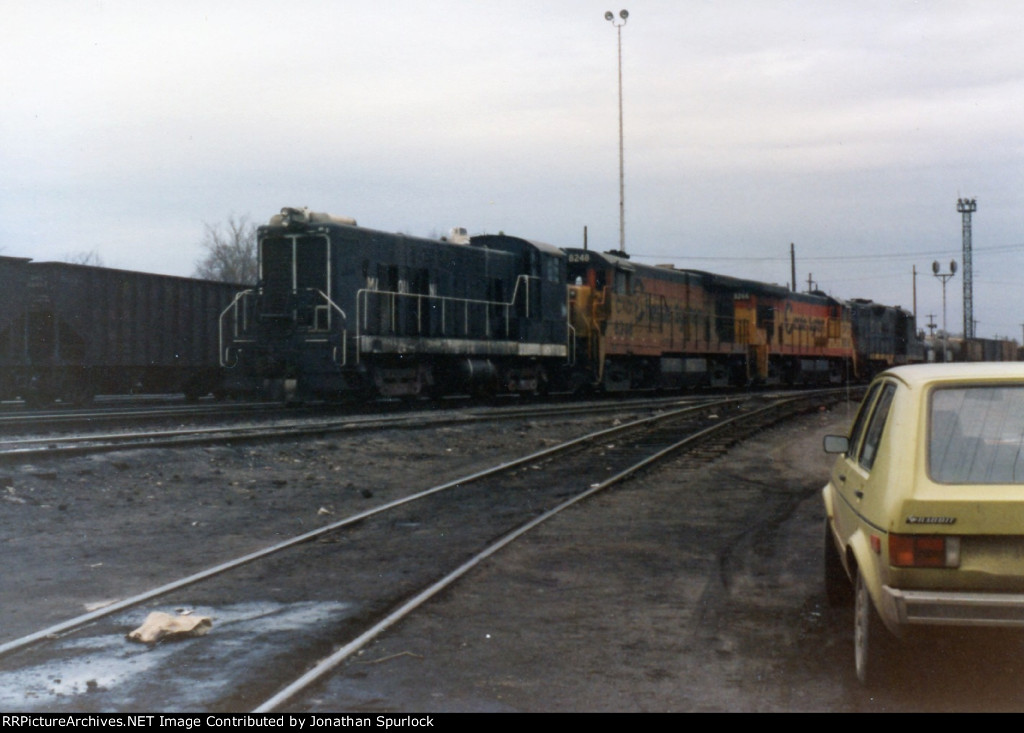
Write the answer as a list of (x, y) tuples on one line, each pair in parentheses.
[(924, 551)]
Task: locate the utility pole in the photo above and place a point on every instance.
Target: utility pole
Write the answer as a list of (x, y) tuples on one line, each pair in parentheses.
[(944, 276), (792, 267), (915, 293), (966, 207)]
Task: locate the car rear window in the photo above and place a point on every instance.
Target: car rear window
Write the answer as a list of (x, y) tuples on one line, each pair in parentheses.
[(976, 435)]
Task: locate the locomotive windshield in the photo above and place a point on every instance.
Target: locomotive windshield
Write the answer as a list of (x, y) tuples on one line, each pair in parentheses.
[(289, 264)]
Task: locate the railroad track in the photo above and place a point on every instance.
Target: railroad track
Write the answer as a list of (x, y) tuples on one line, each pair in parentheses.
[(16, 419), (313, 424), (324, 594)]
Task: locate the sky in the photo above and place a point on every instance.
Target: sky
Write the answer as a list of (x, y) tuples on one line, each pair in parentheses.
[(847, 130)]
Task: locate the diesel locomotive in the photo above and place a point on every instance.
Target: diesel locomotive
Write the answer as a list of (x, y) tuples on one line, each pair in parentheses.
[(345, 310), (645, 327)]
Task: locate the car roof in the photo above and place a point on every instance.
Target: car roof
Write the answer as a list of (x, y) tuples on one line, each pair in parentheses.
[(923, 374)]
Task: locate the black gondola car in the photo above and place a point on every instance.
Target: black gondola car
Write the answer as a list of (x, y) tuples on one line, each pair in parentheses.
[(344, 310), (70, 332)]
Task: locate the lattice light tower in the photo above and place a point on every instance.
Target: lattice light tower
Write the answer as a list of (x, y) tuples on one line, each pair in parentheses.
[(966, 207)]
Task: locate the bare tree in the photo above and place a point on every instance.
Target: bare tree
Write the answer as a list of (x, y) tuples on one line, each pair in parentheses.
[(230, 252), (92, 258)]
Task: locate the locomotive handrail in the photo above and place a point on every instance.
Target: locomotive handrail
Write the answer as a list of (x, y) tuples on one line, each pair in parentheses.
[(447, 303), (391, 297), (344, 331), (331, 303), (233, 307), (515, 291)]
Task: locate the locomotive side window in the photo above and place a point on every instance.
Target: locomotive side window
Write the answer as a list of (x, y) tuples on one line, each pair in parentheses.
[(387, 278), (623, 282), (553, 270)]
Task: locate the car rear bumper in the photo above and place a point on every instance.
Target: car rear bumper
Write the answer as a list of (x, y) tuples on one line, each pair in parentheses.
[(956, 609)]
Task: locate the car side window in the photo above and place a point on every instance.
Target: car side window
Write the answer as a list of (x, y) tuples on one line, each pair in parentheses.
[(873, 436), (862, 417)]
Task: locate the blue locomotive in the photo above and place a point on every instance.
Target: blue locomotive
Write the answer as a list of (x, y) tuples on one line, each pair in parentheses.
[(345, 310)]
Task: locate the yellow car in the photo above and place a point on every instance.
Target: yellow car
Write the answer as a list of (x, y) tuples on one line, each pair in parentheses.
[(925, 506)]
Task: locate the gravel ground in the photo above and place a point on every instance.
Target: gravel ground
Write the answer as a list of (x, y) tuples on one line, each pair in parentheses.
[(696, 587), (78, 532)]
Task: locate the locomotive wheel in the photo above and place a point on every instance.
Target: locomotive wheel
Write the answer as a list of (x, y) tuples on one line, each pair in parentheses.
[(78, 394), (38, 399)]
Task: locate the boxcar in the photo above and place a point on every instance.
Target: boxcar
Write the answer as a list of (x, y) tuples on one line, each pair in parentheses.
[(344, 310), (74, 331), (987, 349)]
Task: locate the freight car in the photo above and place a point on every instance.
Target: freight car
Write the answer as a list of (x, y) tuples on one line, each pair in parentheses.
[(958, 348), (644, 327), (343, 310), (69, 332)]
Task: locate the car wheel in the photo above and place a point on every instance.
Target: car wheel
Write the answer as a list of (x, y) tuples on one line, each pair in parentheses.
[(872, 642), (838, 589)]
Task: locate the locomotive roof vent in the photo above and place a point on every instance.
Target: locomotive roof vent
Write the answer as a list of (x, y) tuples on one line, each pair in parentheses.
[(458, 235), (298, 217)]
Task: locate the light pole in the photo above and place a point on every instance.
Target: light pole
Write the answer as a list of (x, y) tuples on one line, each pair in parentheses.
[(944, 276), (610, 17)]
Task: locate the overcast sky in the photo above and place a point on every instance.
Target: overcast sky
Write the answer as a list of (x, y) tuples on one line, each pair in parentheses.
[(848, 129)]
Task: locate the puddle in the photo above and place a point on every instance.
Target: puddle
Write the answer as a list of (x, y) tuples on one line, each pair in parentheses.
[(111, 674)]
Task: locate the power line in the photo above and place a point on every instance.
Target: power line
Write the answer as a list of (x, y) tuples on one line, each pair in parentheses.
[(838, 258)]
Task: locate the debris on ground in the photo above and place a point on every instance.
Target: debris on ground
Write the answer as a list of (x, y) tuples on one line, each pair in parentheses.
[(160, 626)]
